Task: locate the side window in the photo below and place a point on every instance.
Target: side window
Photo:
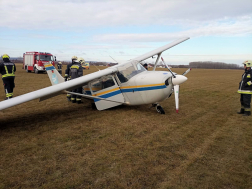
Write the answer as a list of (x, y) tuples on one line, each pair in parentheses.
[(121, 77), (107, 82), (103, 83), (37, 57), (96, 86)]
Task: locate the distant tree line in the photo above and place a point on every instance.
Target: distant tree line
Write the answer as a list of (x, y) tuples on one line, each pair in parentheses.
[(213, 65), (198, 64)]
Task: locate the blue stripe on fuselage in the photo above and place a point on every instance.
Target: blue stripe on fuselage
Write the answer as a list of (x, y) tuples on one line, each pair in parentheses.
[(143, 89), (130, 90), (108, 95)]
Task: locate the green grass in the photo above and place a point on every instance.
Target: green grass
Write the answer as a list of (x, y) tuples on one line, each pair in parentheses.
[(56, 144)]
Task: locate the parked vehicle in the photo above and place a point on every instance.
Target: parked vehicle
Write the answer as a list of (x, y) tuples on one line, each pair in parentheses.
[(86, 66), (34, 61)]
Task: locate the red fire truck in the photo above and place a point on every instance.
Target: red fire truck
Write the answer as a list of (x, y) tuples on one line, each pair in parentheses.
[(34, 61)]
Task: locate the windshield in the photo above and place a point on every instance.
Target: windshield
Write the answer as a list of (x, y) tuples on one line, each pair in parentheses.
[(128, 71), (46, 57)]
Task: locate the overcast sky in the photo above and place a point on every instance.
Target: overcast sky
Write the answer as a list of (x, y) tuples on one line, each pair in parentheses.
[(220, 30)]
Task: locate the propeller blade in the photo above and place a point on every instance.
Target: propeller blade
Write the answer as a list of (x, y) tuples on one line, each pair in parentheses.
[(176, 94), (186, 72)]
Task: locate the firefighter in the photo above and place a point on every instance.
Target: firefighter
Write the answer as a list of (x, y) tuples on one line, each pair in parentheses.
[(67, 74), (76, 71), (245, 89), (7, 69), (81, 61), (59, 67)]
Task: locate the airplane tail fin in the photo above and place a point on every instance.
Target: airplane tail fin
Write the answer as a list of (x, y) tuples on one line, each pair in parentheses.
[(53, 74)]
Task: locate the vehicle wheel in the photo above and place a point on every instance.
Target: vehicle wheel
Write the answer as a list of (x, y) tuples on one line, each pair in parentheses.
[(36, 70), (160, 110)]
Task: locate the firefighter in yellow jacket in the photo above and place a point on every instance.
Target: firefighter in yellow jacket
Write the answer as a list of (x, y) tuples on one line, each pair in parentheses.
[(76, 71), (67, 74), (7, 69), (245, 89)]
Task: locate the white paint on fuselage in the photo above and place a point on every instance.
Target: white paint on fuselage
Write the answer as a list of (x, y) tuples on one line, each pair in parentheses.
[(147, 87)]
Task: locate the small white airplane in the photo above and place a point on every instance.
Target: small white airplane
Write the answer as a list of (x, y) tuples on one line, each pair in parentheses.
[(127, 83)]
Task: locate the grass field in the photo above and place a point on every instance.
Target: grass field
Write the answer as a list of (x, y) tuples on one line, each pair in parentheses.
[(57, 144)]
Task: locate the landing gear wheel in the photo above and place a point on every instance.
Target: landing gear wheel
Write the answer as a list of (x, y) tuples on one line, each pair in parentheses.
[(160, 109)]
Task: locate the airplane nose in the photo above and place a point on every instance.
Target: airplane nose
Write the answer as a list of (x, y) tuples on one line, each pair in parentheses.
[(179, 79)]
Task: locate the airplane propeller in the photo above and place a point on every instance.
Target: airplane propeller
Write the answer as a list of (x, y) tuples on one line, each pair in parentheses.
[(176, 81)]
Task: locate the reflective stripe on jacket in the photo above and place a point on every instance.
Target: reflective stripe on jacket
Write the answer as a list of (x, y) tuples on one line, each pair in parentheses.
[(7, 69), (76, 70), (245, 86)]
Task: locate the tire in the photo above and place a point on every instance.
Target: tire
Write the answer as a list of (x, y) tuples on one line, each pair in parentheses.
[(160, 110), (36, 70)]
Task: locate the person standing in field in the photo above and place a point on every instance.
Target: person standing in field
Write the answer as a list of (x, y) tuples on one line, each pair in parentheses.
[(59, 67), (76, 71), (67, 75), (245, 89), (8, 69)]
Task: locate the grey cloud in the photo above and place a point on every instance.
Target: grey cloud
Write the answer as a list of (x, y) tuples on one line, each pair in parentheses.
[(69, 14), (242, 27)]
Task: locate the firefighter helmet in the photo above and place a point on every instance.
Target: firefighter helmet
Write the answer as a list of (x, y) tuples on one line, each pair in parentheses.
[(74, 58), (6, 56), (248, 63), (59, 63), (81, 60)]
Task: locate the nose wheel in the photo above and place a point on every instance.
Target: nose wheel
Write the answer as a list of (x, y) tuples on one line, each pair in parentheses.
[(158, 108)]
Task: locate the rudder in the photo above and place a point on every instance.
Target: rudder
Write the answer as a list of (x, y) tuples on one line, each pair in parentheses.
[(53, 74)]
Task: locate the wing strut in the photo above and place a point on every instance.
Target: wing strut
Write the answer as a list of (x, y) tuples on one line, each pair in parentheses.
[(156, 61), (95, 97)]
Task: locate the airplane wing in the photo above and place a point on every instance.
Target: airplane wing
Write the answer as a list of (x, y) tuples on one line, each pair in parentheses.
[(55, 89), (160, 49)]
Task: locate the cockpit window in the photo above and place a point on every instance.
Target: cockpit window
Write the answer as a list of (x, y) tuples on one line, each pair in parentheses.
[(102, 83), (128, 71), (140, 68)]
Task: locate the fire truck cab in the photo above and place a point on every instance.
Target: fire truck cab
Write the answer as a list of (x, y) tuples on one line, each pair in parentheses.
[(34, 61)]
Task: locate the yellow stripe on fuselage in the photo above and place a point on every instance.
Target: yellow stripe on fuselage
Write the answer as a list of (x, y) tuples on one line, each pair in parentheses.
[(126, 87), (108, 91), (140, 86)]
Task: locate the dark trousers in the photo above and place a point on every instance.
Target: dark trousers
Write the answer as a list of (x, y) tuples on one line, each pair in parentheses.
[(9, 85), (75, 97), (245, 101)]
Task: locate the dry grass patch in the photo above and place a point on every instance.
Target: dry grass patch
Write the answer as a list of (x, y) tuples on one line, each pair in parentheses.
[(56, 144)]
